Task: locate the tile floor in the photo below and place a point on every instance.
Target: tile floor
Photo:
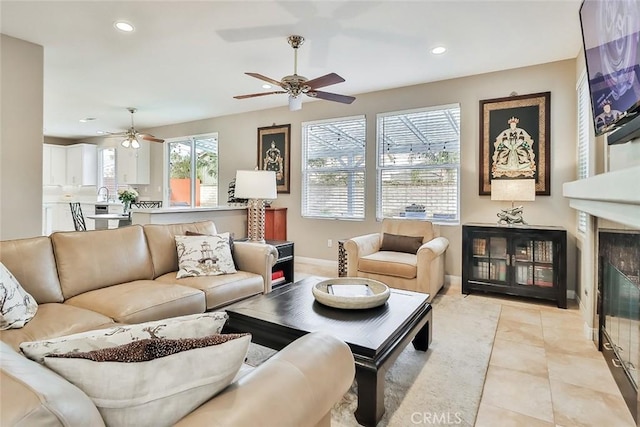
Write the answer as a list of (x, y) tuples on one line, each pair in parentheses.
[(542, 371)]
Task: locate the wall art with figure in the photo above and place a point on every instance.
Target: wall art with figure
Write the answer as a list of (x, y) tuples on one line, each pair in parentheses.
[(273, 153), (514, 140)]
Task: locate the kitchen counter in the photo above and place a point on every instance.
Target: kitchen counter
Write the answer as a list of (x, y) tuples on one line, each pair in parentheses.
[(227, 218)]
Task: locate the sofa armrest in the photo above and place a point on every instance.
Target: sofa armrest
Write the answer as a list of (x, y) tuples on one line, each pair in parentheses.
[(257, 258), (360, 246), (432, 249), (32, 395), (296, 387)]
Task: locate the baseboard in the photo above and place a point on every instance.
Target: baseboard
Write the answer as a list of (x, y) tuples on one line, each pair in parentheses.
[(316, 261), (453, 281)]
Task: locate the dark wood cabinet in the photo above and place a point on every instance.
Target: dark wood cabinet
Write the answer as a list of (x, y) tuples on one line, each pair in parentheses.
[(285, 263), (275, 227), (528, 261)]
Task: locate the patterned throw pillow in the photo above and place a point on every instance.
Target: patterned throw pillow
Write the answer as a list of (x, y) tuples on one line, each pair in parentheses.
[(174, 378), (189, 326), (204, 255), (17, 307)]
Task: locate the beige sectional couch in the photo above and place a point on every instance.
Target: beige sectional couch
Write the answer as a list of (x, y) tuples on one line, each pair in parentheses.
[(91, 280)]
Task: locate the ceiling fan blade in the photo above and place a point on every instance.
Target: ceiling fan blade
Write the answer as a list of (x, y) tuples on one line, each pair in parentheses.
[(265, 78), (151, 138), (326, 80), (345, 99), (253, 95)]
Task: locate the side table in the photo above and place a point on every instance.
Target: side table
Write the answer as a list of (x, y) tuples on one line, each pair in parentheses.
[(342, 259), (285, 261)]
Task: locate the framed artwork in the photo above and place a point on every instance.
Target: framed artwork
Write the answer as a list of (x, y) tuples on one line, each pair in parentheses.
[(274, 145), (514, 140)]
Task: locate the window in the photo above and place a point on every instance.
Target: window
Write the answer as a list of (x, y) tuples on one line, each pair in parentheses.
[(418, 164), (333, 168), (584, 125), (193, 170), (107, 176)]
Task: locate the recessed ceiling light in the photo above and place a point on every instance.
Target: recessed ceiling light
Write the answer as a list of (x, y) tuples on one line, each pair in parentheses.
[(438, 50), (123, 26), (266, 86), (87, 119)]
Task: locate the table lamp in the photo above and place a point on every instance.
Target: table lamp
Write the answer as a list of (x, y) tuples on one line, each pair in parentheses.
[(257, 186), (513, 190)]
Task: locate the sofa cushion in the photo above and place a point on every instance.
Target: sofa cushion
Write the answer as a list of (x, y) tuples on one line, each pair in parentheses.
[(141, 301), (17, 307), (397, 264), (21, 255), (191, 326), (204, 255), (33, 395), (162, 242), (231, 246), (97, 259), (220, 290), (159, 391), (55, 320), (399, 243)]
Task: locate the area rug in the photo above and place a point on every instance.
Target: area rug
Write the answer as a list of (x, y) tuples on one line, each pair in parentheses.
[(440, 387)]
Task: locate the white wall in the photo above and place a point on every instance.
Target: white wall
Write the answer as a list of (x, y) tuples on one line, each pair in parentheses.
[(238, 150), (20, 138)]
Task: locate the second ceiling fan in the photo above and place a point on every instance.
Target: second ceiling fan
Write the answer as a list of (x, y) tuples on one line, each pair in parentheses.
[(296, 86)]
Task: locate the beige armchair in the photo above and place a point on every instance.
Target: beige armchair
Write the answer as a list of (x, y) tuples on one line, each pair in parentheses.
[(422, 271)]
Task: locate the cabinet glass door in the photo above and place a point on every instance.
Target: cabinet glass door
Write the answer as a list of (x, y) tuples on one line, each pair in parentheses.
[(533, 262), (490, 258)]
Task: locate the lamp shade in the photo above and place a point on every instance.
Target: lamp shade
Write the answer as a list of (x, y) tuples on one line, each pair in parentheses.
[(256, 184), (513, 189), (295, 102)]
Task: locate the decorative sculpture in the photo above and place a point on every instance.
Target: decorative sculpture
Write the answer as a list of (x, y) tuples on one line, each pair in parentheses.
[(511, 216)]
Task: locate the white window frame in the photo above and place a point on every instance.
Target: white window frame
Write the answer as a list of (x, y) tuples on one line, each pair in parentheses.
[(353, 212), (584, 145), (380, 168), (167, 170)]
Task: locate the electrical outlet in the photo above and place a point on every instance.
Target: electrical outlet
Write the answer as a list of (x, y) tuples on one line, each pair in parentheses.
[(329, 243)]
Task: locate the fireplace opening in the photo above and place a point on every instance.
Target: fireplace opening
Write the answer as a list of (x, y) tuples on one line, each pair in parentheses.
[(619, 309)]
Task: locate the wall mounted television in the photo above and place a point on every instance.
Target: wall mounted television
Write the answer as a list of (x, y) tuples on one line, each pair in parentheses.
[(611, 37)]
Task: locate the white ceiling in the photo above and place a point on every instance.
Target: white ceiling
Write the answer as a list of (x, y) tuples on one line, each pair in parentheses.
[(186, 60)]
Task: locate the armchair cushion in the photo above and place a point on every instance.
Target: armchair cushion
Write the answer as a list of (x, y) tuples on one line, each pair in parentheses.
[(398, 264), (400, 243)]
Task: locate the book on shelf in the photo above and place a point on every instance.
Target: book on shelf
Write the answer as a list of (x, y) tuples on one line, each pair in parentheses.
[(479, 247), (278, 281), (350, 290), (277, 274)]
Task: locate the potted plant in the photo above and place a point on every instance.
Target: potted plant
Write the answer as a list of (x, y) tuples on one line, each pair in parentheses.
[(127, 196)]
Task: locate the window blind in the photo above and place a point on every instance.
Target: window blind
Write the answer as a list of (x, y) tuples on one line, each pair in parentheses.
[(333, 168), (584, 123), (418, 164)]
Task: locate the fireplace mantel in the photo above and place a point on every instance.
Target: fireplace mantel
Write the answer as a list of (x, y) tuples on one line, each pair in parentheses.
[(613, 195)]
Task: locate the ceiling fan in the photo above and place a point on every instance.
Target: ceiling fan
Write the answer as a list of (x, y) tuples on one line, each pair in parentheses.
[(132, 135), (296, 85)]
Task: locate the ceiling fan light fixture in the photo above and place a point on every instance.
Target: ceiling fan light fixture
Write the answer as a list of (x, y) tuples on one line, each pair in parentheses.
[(135, 143), (295, 102), (126, 143)]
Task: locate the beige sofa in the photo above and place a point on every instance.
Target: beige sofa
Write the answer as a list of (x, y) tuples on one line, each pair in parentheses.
[(421, 271), (95, 279)]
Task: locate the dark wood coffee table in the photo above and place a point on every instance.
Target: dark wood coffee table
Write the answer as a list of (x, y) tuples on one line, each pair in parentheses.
[(376, 336)]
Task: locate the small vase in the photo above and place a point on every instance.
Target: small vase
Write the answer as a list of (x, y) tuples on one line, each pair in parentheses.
[(127, 206)]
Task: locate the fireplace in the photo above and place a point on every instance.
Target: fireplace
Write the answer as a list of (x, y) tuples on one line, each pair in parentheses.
[(611, 246), (619, 308)]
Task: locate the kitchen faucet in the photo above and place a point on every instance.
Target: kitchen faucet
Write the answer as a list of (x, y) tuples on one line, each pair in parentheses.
[(107, 199)]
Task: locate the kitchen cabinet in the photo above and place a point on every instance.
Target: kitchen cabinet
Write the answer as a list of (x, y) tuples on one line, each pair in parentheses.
[(133, 164), (54, 164), (82, 164)]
